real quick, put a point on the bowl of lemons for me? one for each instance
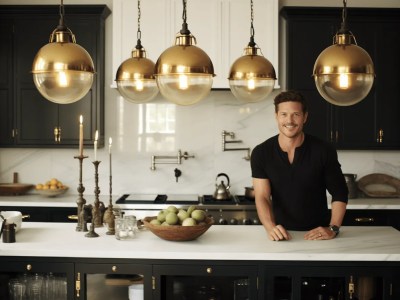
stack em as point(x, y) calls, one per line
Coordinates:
point(51, 188)
point(173, 224)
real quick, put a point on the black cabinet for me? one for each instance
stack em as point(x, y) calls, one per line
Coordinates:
point(369, 124)
point(372, 217)
point(29, 119)
point(44, 214)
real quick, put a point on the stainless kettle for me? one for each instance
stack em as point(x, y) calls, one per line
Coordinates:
point(222, 190)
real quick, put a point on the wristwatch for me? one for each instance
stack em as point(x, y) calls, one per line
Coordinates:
point(334, 228)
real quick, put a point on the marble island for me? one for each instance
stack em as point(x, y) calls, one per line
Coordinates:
point(250, 243)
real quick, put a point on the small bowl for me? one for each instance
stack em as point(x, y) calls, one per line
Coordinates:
point(12, 217)
point(178, 232)
point(52, 193)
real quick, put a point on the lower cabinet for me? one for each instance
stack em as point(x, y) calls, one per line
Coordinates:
point(33, 278)
point(205, 281)
point(372, 217)
point(109, 278)
point(44, 214)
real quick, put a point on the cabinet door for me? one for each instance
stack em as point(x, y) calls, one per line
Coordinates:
point(104, 281)
point(39, 277)
point(188, 281)
point(6, 82)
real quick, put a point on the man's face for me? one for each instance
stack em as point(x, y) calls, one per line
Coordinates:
point(290, 118)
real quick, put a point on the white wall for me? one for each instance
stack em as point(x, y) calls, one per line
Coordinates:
point(197, 130)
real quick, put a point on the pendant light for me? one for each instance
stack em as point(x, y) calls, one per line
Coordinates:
point(62, 70)
point(184, 72)
point(344, 72)
point(135, 76)
point(252, 76)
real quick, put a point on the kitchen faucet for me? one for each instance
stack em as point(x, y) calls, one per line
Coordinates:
point(232, 136)
point(169, 159)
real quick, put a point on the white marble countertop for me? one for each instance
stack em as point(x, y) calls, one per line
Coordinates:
point(69, 200)
point(218, 243)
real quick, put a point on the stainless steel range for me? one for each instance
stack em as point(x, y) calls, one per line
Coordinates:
point(237, 210)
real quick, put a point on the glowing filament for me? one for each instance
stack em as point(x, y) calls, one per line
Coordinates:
point(251, 84)
point(183, 82)
point(343, 81)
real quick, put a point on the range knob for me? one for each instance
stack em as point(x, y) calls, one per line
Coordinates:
point(246, 221)
point(222, 221)
point(256, 221)
point(233, 221)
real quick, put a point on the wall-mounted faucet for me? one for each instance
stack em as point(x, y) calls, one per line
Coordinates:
point(155, 159)
point(232, 136)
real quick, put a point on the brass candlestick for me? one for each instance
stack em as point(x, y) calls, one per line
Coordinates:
point(96, 214)
point(81, 201)
point(109, 216)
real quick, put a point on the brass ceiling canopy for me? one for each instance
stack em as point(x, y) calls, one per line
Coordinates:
point(135, 76)
point(63, 70)
point(184, 72)
point(344, 72)
point(252, 76)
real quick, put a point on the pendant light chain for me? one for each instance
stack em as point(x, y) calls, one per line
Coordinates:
point(252, 31)
point(139, 32)
point(343, 27)
point(184, 30)
point(62, 13)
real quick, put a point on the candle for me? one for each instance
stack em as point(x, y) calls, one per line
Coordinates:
point(96, 137)
point(109, 151)
point(81, 135)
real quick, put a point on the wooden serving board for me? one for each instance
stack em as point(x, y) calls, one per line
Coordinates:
point(378, 185)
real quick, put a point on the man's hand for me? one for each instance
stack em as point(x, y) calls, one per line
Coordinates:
point(278, 233)
point(320, 233)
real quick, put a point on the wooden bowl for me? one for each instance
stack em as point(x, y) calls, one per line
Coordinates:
point(14, 188)
point(52, 193)
point(178, 232)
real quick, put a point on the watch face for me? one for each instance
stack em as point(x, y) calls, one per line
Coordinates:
point(334, 228)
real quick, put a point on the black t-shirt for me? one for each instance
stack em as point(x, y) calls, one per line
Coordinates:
point(298, 190)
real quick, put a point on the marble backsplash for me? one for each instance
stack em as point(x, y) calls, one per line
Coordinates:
point(161, 128)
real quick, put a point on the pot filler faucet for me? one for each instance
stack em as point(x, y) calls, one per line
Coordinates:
point(166, 159)
point(232, 136)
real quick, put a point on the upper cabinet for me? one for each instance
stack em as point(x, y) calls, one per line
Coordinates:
point(369, 124)
point(28, 119)
point(221, 28)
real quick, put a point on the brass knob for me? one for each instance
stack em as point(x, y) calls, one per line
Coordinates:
point(29, 267)
point(209, 270)
point(73, 217)
point(114, 268)
point(364, 220)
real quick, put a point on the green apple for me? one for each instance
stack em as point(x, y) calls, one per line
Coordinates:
point(161, 216)
point(182, 215)
point(189, 222)
point(199, 215)
point(172, 208)
point(191, 209)
point(155, 222)
point(171, 218)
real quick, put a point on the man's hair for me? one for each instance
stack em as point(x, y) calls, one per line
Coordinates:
point(291, 96)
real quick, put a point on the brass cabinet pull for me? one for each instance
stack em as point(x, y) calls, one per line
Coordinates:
point(364, 220)
point(57, 134)
point(28, 267)
point(114, 268)
point(209, 270)
point(14, 133)
point(73, 217)
point(153, 282)
point(25, 217)
point(379, 140)
point(351, 287)
point(78, 284)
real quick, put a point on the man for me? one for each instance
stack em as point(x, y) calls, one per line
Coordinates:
point(291, 173)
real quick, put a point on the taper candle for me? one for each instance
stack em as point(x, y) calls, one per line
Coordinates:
point(96, 137)
point(109, 151)
point(81, 135)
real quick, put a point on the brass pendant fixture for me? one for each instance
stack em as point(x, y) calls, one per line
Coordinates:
point(252, 76)
point(135, 76)
point(184, 72)
point(344, 72)
point(62, 70)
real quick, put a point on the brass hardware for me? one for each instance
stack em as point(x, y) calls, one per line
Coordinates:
point(351, 288)
point(153, 282)
point(24, 217)
point(29, 267)
point(364, 220)
point(209, 270)
point(14, 133)
point(379, 140)
point(72, 217)
point(232, 135)
point(114, 268)
point(78, 284)
point(57, 134)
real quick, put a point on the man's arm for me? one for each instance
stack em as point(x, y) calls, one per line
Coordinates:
point(338, 209)
point(262, 192)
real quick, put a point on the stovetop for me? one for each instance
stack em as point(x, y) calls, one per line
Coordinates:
point(183, 199)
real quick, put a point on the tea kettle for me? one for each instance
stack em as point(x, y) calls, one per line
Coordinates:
point(222, 190)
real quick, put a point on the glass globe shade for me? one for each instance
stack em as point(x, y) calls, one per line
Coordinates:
point(252, 76)
point(344, 73)
point(135, 78)
point(184, 72)
point(63, 71)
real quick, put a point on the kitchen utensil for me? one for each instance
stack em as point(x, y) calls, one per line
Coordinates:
point(12, 217)
point(222, 190)
point(178, 232)
point(249, 192)
point(351, 185)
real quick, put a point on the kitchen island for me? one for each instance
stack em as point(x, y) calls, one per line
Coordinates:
point(223, 251)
